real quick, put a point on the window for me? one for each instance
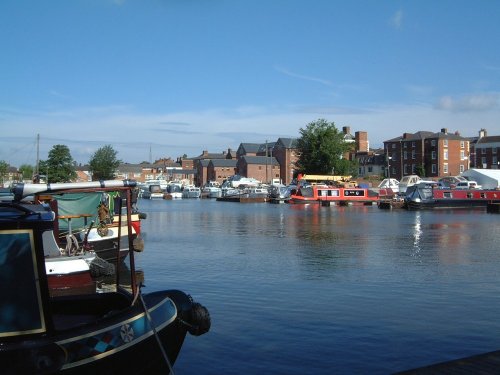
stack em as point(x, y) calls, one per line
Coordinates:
point(405, 155)
point(445, 168)
point(445, 154)
point(370, 169)
point(462, 155)
point(445, 142)
point(413, 144)
point(462, 168)
point(413, 154)
point(434, 168)
point(483, 162)
point(433, 142)
point(405, 144)
point(393, 145)
point(406, 169)
point(462, 144)
point(413, 169)
point(494, 150)
point(483, 150)
point(393, 156)
point(433, 155)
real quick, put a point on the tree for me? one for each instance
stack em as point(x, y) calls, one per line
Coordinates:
point(59, 166)
point(321, 147)
point(4, 170)
point(104, 163)
point(26, 171)
point(420, 170)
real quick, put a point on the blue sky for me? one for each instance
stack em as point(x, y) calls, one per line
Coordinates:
point(182, 76)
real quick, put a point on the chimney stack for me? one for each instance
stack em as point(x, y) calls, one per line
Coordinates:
point(362, 144)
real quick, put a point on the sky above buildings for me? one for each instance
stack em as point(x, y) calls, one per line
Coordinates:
point(163, 78)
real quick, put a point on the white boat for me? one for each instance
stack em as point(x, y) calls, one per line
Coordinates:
point(212, 189)
point(153, 191)
point(257, 192)
point(390, 183)
point(191, 191)
point(173, 191)
point(408, 181)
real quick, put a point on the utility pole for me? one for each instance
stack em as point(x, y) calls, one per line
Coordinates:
point(267, 179)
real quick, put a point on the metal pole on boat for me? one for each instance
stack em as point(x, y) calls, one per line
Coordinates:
point(119, 243)
point(128, 203)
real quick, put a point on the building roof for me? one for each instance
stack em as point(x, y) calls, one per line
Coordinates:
point(372, 159)
point(246, 148)
point(212, 155)
point(490, 139)
point(205, 162)
point(287, 142)
point(261, 160)
point(219, 163)
point(452, 136)
point(262, 147)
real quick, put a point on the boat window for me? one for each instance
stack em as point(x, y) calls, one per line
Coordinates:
point(334, 193)
point(469, 195)
point(20, 306)
point(307, 191)
point(426, 193)
point(483, 195)
point(447, 194)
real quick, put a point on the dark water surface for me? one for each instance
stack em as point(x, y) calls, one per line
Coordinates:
point(326, 290)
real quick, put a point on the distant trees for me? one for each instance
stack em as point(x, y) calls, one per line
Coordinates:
point(4, 170)
point(60, 166)
point(321, 147)
point(26, 171)
point(103, 163)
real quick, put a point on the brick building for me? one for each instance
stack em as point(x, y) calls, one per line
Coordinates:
point(261, 168)
point(436, 154)
point(285, 152)
point(485, 151)
point(220, 169)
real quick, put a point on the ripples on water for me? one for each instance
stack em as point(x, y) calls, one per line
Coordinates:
point(314, 290)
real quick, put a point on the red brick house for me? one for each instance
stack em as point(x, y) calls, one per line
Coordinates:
point(439, 154)
point(220, 169)
point(261, 168)
point(485, 151)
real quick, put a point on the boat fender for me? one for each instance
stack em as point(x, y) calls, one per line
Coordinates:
point(200, 320)
point(138, 244)
point(99, 267)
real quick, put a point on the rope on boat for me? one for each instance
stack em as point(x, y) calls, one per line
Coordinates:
point(150, 321)
point(72, 247)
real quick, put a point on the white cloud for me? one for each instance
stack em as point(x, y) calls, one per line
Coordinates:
point(132, 134)
point(397, 19)
point(303, 77)
point(477, 102)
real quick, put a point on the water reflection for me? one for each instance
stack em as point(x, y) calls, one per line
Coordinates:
point(417, 234)
point(345, 282)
